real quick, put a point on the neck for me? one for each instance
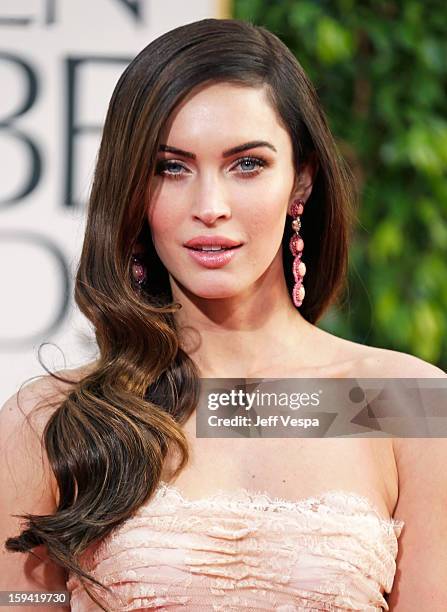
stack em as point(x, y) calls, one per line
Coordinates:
point(246, 333)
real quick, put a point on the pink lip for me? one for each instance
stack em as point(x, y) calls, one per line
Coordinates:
point(213, 259)
point(199, 241)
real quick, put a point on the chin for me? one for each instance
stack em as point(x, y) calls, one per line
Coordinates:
point(214, 294)
point(212, 291)
point(211, 288)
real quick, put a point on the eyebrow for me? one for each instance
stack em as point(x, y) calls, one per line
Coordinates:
point(242, 147)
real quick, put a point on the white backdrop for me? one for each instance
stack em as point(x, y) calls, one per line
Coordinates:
point(59, 62)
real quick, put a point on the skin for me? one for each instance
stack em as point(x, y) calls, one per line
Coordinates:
point(246, 302)
point(248, 327)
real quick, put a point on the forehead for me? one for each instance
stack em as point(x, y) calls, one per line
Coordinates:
point(224, 111)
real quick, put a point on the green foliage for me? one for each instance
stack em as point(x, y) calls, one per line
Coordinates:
point(380, 70)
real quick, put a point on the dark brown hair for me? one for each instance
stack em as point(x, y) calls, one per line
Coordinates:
point(106, 442)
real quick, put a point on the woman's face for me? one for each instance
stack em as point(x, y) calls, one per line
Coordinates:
point(206, 189)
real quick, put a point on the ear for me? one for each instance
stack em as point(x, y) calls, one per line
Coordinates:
point(304, 180)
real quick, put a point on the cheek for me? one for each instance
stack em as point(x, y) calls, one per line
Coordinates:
point(161, 222)
point(265, 230)
point(267, 210)
point(267, 221)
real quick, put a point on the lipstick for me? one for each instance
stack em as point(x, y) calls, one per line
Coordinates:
point(212, 251)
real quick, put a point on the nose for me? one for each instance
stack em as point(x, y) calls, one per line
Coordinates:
point(210, 204)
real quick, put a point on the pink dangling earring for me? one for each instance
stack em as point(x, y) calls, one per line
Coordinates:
point(138, 271)
point(296, 247)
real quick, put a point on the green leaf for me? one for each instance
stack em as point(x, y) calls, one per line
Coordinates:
point(386, 242)
point(427, 331)
point(334, 43)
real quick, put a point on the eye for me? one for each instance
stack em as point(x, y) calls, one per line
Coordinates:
point(248, 162)
point(251, 166)
point(166, 168)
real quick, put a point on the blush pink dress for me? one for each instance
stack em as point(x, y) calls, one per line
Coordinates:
point(245, 551)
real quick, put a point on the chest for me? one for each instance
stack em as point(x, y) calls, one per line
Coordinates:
point(292, 468)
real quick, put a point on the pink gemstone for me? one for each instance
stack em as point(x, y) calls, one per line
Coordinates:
point(298, 268)
point(296, 244)
point(292, 244)
point(296, 263)
point(297, 208)
point(298, 294)
point(138, 272)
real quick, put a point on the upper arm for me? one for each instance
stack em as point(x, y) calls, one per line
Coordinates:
point(421, 577)
point(27, 485)
point(421, 574)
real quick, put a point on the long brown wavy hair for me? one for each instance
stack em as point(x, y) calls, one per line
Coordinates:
point(107, 441)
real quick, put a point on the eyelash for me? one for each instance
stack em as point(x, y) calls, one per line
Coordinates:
point(164, 165)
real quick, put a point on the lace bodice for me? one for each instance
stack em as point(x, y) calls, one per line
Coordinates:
point(245, 551)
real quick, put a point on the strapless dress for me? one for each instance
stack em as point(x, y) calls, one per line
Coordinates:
point(243, 550)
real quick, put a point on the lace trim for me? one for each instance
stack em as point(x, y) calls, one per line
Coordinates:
point(261, 500)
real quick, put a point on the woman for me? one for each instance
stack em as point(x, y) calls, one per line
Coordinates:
point(215, 138)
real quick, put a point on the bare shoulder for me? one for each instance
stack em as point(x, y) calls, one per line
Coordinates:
point(24, 415)
point(343, 358)
point(44, 393)
point(375, 362)
point(393, 364)
point(422, 496)
point(23, 418)
point(386, 363)
point(27, 481)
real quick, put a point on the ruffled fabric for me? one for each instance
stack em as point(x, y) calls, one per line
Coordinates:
point(245, 551)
